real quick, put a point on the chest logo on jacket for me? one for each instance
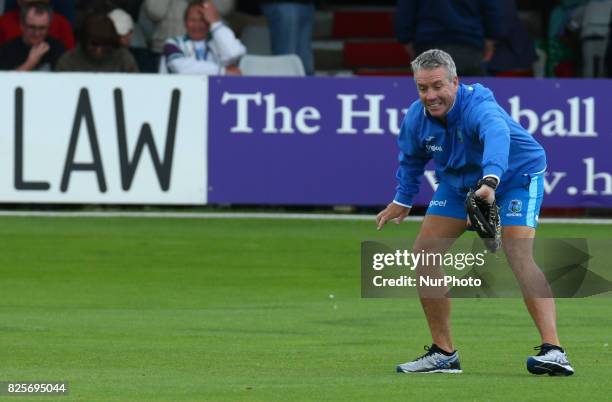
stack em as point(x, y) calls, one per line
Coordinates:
point(432, 147)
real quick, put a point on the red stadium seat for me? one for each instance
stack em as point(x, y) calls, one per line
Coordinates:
point(566, 69)
point(363, 24)
point(384, 72)
point(515, 73)
point(375, 54)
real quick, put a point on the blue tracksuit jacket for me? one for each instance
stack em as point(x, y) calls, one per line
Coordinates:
point(479, 139)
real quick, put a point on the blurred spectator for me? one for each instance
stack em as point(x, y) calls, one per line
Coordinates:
point(167, 17)
point(124, 25)
point(594, 36)
point(291, 25)
point(466, 29)
point(148, 61)
point(60, 29)
point(132, 38)
point(132, 7)
point(209, 47)
point(64, 7)
point(563, 38)
point(98, 50)
point(85, 8)
point(33, 50)
point(142, 30)
point(515, 52)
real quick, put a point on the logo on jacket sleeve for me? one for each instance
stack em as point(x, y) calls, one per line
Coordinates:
point(514, 208)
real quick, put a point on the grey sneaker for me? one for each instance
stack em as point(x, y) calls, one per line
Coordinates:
point(432, 362)
point(551, 360)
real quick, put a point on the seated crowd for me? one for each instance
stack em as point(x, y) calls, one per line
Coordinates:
point(33, 37)
point(193, 37)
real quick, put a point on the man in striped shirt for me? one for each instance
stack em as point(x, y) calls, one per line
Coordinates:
point(209, 47)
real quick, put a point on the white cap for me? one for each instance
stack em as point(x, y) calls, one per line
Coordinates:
point(122, 21)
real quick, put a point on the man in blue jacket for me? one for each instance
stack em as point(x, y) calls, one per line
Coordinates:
point(475, 144)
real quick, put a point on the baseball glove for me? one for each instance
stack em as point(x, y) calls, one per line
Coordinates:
point(484, 218)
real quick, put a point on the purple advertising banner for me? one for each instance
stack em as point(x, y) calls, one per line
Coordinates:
point(332, 141)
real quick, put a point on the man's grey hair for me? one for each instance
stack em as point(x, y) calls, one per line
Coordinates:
point(432, 59)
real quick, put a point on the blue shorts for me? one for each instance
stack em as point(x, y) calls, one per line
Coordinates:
point(518, 206)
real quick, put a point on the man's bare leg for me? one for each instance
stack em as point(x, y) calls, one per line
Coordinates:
point(438, 310)
point(536, 292)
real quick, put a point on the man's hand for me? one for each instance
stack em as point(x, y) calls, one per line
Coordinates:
point(210, 13)
point(394, 212)
point(489, 50)
point(37, 52)
point(486, 193)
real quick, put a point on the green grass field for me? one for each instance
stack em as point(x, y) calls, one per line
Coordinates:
point(131, 309)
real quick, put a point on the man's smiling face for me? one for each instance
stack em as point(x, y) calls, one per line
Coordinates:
point(436, 90)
